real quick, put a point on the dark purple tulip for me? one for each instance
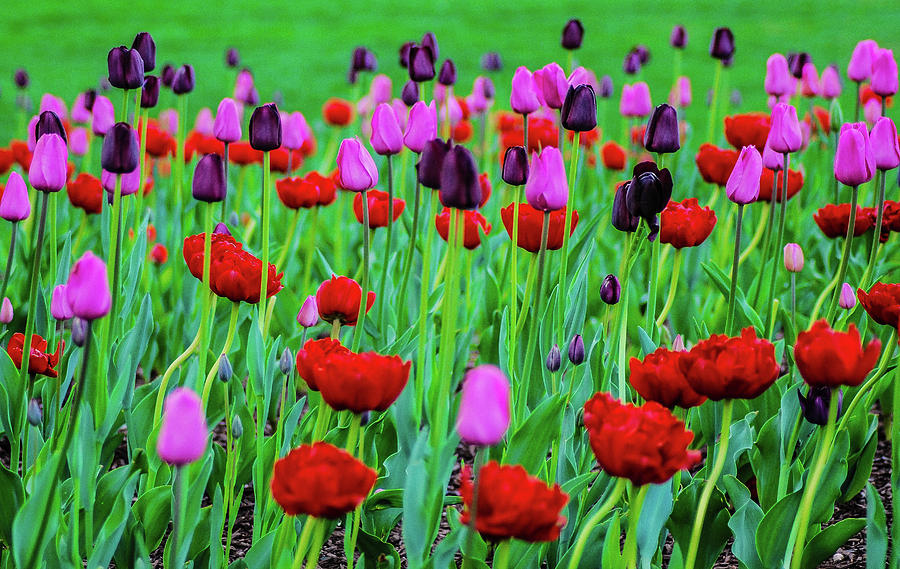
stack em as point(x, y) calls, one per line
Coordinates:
point(648, 193)
point(410, 93)
point(815, 405)
point(796, 61)
point(104, 84)
point(120, 149)
point(491, 61)
point(622, 219)
point(421, 64)
point(447, 76)
point(265, 128)
point(49, 123)
point(515, 166)
point(662, 135)
point(221, 229)
point(150, 93)
point(632, 63)
point(487, 89)
point(79, 331)
point(679, 37)
point(736, 99)
point(579, 110)
point(183, 83)
point(358, 60)
point(642, 52)
point(610, 290)
point(576, 350)
point(430, 41)
point(352, 76)
point(125, 67)
point(89, 97)
point(460, 187)
point(167, 75)
point(21, 78)
point(232, 57)
point(431, 160)
point(554, 359)
point(144, 44)
point(721, 46)
point(209, 179)
point(404, 53)
point(728, 61)
point(572, 34)
point(606, 87)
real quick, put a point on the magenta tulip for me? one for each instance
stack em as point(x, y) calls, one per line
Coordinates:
point(584, 76)
point(104, 116)
point(793, 258)
point(860, 67)
point(421, 126)
point(294, 131)
point(680, 96)
point(884, 73)
point(477, 101)
point(484, 406)
point(204, 122)
point(49, 165)
point(381, 88)
point(59, 303)
point(80, 113)
point(15, 205)
point(809, 80)
point(771, 159)
point(553, 85)
point(872, 111)
point(53, 103)
point(743, 183)
point(130, 182)
point(78, 141)
point(309, 312)
point(779, 80)
point(848, 297)
point(355, 166)
point(854, 161)
point(635, 100)
point(883, 140)
point(387, 138)
point(785, 135)
point(6, 311)
point(547, 188)
point(183, 434)
point(227, 126)
point(524, 98)
point(831, 82)
point(88, 288)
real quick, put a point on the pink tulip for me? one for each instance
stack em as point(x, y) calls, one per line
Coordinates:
point(848, 297)
point(831, 82)
point(854, 161)
point(553, 85)
point(387, 138)
point(883, 140)
point(6, 311)
point(204, 122)
point(79, 112)
point(524, 98)
point(771, 159)
point(88, 288)
point(680, 96)
point(785, 135)
point(779, 80)
point(809, 81)
point(104, 115)
point(860, 67)
point(183, 434)
point(365, 105)
point(400, 112)
point(793, 258)
point(381, 87)
point(309, 312)
point(244, 90)
point(743, 183)
point(421, 126)
point(484, 407)
point(168, 120)
point(355, 166)
point(78, 141)
point(884, 73)
point(584, 76)
point(53, 103)
point(49, 165)
point(477, 102)
point(872, 111)
point(456, 113)
point(59, 303)
point(227, 126)
point(31, 141)
point(294, 131)
point(130, 184)
point(547, 188)
point(635, 101)
point(15, 205)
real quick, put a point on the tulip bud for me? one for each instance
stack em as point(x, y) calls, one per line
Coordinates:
point(410, 93)
point(404, 53)
point(884, 73)
point(21, 78)
point(515, 166)
point(150, 92)
point(610, 290)
point(816, 403)
point(547, 188)
point(635, 100)
point(121, 152)
point(429, 41)
point(793, 258)
point(860, 67)
point(308, 316)
point(796, 62)
point(79, 332)
point(233, 219)
point(104, 116)
point(491, 61)
point(572, 34)
point(742, 186)
point(722, 45)
point(286, 361)
point(785, 135)
point(854, 160)
point(227, 126)
point(579, 111)
point(831, 82)
point(835, 116)
point(88, 288)
point(632, 63)
point(225, 370)
point(649, 193)
point(554, 359)
point(34, 415)
point(209, 179)
point(847, 300)
point(447, 75)
point(606, 87)
point(460, 187)
point(679, 37)
point(523, 98)
point(14, 204)
point(146, 47)
point(59, 304)
point(576, 350)
point(661, 135)
point(183, 81)
point(431, 161)
point(387, 138)
point(48, 123)
point(126, 68)
point(167, 75)
point(49, 167)
point(421, 126)
point(265, 128)
point(552, 84)
point(778, 76)
point(183, 434)
point(484, 406)
point(883, 140)
point(232, 57)
point(356, 168)
point(622, 219)
point(237, 427)
point(6, 311)
point(421, 64)
point(678, 344)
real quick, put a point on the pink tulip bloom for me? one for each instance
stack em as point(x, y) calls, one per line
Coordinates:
point(484, 406)
point(168, 120)
point(477, 102)
point(884, 73)
point(680, 96)
point(79, 112)
point(227, 126)
point(183, 434)
point(771, 159)
point(15, 205)
point(553, 85)
point(381, 88)
point(860, 67)
point(387, 138)
point(88, 288)
point(78, 141)
point(400, 112)
point(779, 80)
point(524, 98)
point(854, 161)
point(635, 100)
point(456, 113)
point(6, 311)
point(294, 131)
point(421, 126)
point(309, 312)
point(831, 82)
point(809, 81)
point(59, 303)
point(883, 140)
point(547, 188)
point(355, 166)
point(104, 115)
point(848, 297)
point(743, 183)
point(130, 182)
point(204, 122)
point(49, 164)
point(785, 135)
point(584, 76)
point(53, 103)
point(872, 111)
point(793, 258)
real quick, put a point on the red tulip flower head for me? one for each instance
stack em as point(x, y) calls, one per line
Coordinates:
point(378, 208)
point(659, 378)
point(234, 273)
point(361, 382)
point(686, 224)
point(830, 358)
point(715, 164)
point(531, 223)
point(720, 367)
point(40, 362)
point(338, 299)
point(882, 303)
point(312, 356)
point(474, 225)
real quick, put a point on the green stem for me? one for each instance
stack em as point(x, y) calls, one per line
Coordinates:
point(586, 528)
point(895, 461)
point(139, 210)
point(264, 277)
point(390, 228)
point(206, 297)
point(623, 313)
point(845, 255)
point(363, 304)
point(407, 261)
point(873, 253)
point(526, 299)
point(501, 558)
point(354, 517)
point(424, 308)
point(229, 338)
point(259, 485)
point(729, 323)
point(562, 294)
point(305, 536)
point(14, 229)
point(115, 260)
point(289, 240)
point(787, 458)
point(480, 457)
point(179, 151)
point(712, 105)
point(310, 248)
point(533, 335)
point(178, 490)
point(634, 514)
point(779, 241)
point(670, 298)
point(514, 292)
point(312, 560)
point(32, 292)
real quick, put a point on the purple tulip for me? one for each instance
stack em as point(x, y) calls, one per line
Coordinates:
point(421, 126)
point(59, 303)
point(49, 164)
point(884, 73)
point(387, 138)
point(524, 98)
point(121, 151)
point(209, 179)
point(6, 311)
point(146, 47)
point(883, 140)
point(785, 135)
point(309, 312)
point(232, 57)
point(265, 128)
point(104, 116)
point(421, 63)
point(515, 166)
point(183, 82)
point(244, 89)
point(678, 39)
point(447, 74)
point(227, 126)
point(484, 407)
point(860, 67)
point(831, 82)
point(15, 205)
point(410, 93)
point(778, 76)
point(661, 135)
point(88, 288)
point(848, 297)
point(20, 78)
point(183, 434)
point(547, 188)
point(743, 183)
point(126, 68)
point(572, 34)
point(129, 183)
point(854, 161)
point(553, 85)
point(355, 166)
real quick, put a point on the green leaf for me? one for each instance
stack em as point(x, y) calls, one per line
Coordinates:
point(744, 524)
point(39, 513)
point(775, 529)
point(876, 530)
point(107, 539)
point(833, 476)
point(376, 552)
point(154, 510)
point(612, 557)
point(827, 541)
point(528, 445)
point(12, 494)
point(862, 468)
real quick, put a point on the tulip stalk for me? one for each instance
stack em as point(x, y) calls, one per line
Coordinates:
point(9, 259)
point(390, 228)
point(564, 267)
point(514, 296)
point(355, 437)
point(779, 240)
point(289, 240)
point(32, 294)
point(533, 336)
point(310, 247)
point(895, 464)
point(480, 457)
point(424, 307)
point(264, 278)
point(710, 485)
point(179, 150)
point(670, 298)
point(305, 537)
point(207, 298)
point(138, 211)
point(712, 104)
point(732, 293)
point(361, 318)
point(407, 260)
point(177, 515)
point(115, 256)
point(225, 164)
point(595, 518)
point(876, 241)
point(229, 339)
point(634, 514)
point(845, 255)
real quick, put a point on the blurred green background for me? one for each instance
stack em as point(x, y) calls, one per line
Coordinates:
point(303, 49)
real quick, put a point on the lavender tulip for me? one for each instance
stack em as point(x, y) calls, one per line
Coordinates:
point(387, 138)
point(356, 168)
point(884, 73)
point(227, 126)
point(88, 288)
point(883, 140)
point(49, 164)
point(785, 135)
point(309, 313)
point(778, 76)
point(421, 126)
point(854, 161)
point(523, 98)
point(15, 205)
point(59, 303)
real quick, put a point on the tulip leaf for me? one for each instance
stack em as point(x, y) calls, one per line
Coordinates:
point(715, 530)
point(656, 510)
point(744, 524)
point(612, 556)
point(827, 541)
point(153, 511)
point(766, 463)
point(528, 446)
point(833, 477)
point(107, 539)
point(12, 495)
point(876, 530)
point(862, 469)
point(375, 551)
point(775, 529)
point(647, 344)
point(40, 511)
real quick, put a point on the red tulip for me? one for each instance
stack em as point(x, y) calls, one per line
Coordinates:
point(159, 254)
point(830, 358)
point(378, 208)
point(731, 368)
point(659, 378)
point(715, 164)
point(234, 273)
point(882, 302)
point(85, 192)
point(337, 112)
point(311, 357)
point(475, 225)
point(686, 224)
point(613, 156)
point(361, 382)
point(311, 190)
point(795, 183)
point(833, 220)
point(531, 222)
point(749, 129)
point(338, 299)
point(39, 360)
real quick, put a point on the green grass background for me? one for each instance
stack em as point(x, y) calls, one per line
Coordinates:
point(303, 48)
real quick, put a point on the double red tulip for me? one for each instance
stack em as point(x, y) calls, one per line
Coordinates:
point(338, 299)
point(361, 382)
point(659, 378)
point(311, 357)
point(882, 302)
point(310, 191)
point(795, 183)
point(234, 273)
point(685, 223)
point(39, 360)
point(833, 220)
point(646, 444)
point(715, 164)
point(749, 129)
point(531, 223)
point(337, 112)
point(475, 224)
point(85, 192)
point(378, 208)
point(830, 358)
point(731, 368)
point(512, 504)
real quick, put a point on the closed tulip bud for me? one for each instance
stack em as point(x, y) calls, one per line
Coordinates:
point(576, 350)
point(778, 76)
point(872, 111)
point(265, 128)
point(491, 61)
point(460, 187)
point(572, 34)
point(447, 75)
point(810, 81)
point(237, 427)
point(121, 152)
point(721, 46)
point(847, 299)
point(431, 161)
point(387, 138)
point(145, 46)
point(553, 85)
point(232, 57)
point(421, 64)
point(209, 179)
point(225, 370)
point(410, 93)
point(632, 63)
point(860, 67)
point(21, 78)
point(831, 82)
point(610, 290)
point(622, 219)
point(883, 140)
point(356, 168)
point(35, 415)
point(286, 361)
point(88, 99)
point(104, 116)
point(150, 92)
point(49, 164)
point(796, 61)
point(678, 344)
point(227, 126)
point(835, 116)
point(79, 332)
point(816, 403)
point(14, 204)
point(854, 160)
point(484, 406)
point(771, 159)
point(523, 98)
point(884, 73)
point(579, 110)
point(48, 123)
point(742, 186)
point(309, 312)
point(222, 229)
point(183, 82)
point(793, 258)
point(421, 126)
point(167, 75)
point(6, 311)
point(785, 135)
point(515, 166)
point(547, 188)
point(429, 41)
point(59, 304)
point(126, 68)
point(404, 53)
point(88, 288)
point(679, 37)
point(661, 135)
point(554, 359)
point(244, 89)
point(183, 433)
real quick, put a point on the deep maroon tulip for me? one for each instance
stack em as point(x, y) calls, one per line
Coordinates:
point(491, 61)
point(460, 187)
point(120, 152)
point(404, 53)
point(410, 93)
point(265, 128)
point(183, 82)
point(447, 75)
point(209, 179)
point(722, 45)
point(797, 62)
point(144, 44)
point(515, 166)
point(88, 99)
point(421, 64)
point(610, 289)
point(21, 78)
point(150, 92)
point(679, 37)
point(622, 219)
point(49, 123)
point(167, 75)
point(430, 41)
point(632, 63)
point(232, 58)
point(572, 34)
point(429, 166)
point(126, 68)
point(649, 191)
point(661, 135)
point(576, 350)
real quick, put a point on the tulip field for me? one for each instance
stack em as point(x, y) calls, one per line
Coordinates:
point(538, 306)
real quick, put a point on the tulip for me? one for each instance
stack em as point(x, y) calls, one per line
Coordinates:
point(523, 98)
point(227, 126)
point(778, 77)
point(785, 136)
point(491, 61)
point(121, 152)
point(167, 75)
point(680, 95)
point(14, 204)
point(810, 80)
point(515, 166)
point(831, 82)
point(460, 187)
point(265, 128)
point(146, 47)
point(380, 89)
point(679, 37)
point(484, 406)
point(884, 73)
point(34, 414)
point(387, 138)
point(203, 124)
point(721, 46)
point(743, 183)
point(854, 160)
point(796, 61)
point(48, 123)
point(553, 85)
point(104, 116)
point(49, 164)
point(129, 183)
point(860, 67)
point(6, 311)
point(606, 87)
point(554, 359)
point(308, 315)
point(431, 161)
point(579, 111)
point(572, 34)
point(21, 78)
point(547, 188)
point(635, 101)
point(883, 140)
point(410, 93)
point(771, 159)
point(209, 179)
point(848, 297)
point(150, 92)
point(244, 89)
point(661, 135)
point(183, 434)
point(793, 258)
point(88, 288)
point(632, 63)
point(622, 219)
point(610, 290)
point(648, 193)
point(356, 168)
point(816, 403)
point(59, 303)
point(421, 126)
point(126, 68)
point(80, 111)
point(447, 74)
point(421, 64)
point(294, 130)
point(576, 350)
point(183, 82)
